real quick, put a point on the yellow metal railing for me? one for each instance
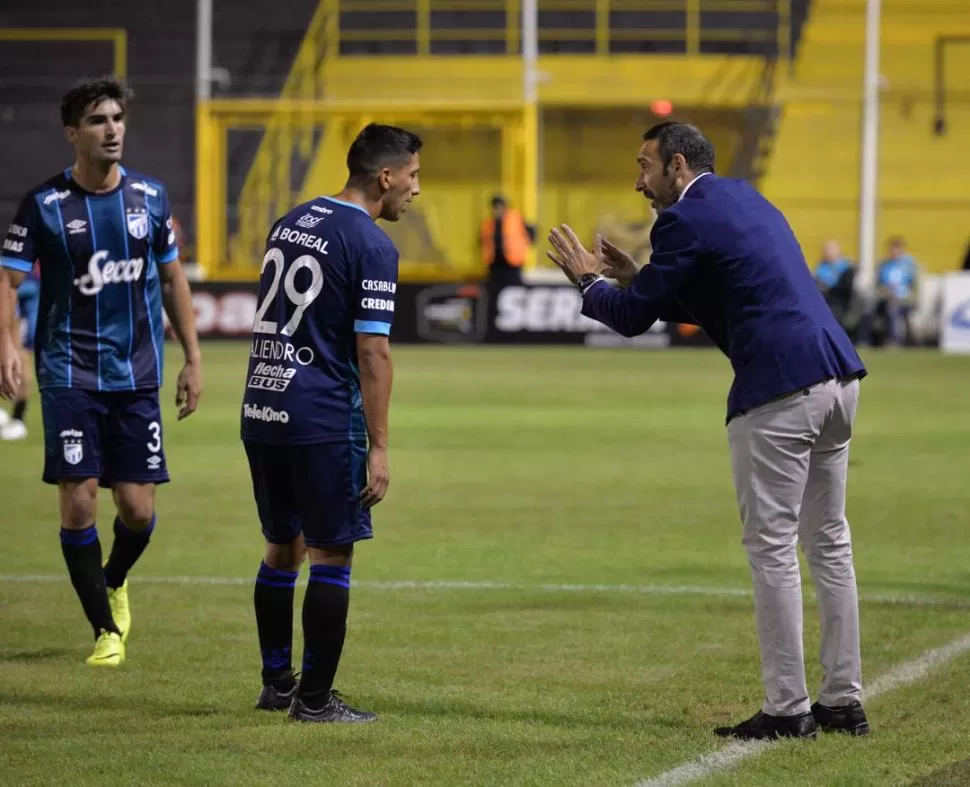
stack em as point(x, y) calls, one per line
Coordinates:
point(268, 191)
point(292, 129)
point(218, 116)
point(603, 28)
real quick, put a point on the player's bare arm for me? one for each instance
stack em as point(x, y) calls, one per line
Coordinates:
point(177, 297)
point(11, 364)
point(376, 377)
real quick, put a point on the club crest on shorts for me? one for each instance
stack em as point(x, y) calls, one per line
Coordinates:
point(138, 222)
point(73, 452)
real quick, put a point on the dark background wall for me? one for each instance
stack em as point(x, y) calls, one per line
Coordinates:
point(252, 41)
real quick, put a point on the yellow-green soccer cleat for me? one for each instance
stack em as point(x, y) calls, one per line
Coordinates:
point(109, 651)
point(120, 611)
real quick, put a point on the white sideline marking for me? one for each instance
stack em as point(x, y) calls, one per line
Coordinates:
point(445, 584)
point(906, 673)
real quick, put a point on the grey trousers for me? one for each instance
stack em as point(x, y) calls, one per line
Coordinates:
point(790, 459)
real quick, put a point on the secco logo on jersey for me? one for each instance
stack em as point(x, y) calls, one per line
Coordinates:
point(266, 414)
point(271, 377)
point(113, 272)
point(16, 229)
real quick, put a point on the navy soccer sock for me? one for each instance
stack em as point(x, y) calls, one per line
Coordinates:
point(82, 553)
point(324, 627)
point(125, 551)
point(273, 600)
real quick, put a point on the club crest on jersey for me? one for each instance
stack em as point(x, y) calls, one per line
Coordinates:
point(138, 222)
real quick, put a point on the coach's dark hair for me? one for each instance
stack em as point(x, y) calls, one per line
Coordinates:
point(83, 94)
point(379, 146)
point(683, 138)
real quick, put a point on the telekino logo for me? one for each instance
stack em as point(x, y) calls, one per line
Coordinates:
point(266, 414)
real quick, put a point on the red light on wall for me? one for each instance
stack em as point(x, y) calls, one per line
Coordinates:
point(661, 107)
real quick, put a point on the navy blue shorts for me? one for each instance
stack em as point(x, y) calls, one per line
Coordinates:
point(310, 489)
point(109, 435)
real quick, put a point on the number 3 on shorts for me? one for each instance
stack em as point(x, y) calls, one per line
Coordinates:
point(156, 443)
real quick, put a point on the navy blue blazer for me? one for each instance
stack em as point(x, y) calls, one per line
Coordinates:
point(724, 258)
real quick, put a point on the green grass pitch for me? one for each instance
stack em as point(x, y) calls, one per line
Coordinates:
point(578, 613)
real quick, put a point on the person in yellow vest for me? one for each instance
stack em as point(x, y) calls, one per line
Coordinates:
point(505, 239)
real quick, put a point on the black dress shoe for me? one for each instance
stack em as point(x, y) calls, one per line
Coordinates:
point(850, 719)
point(761, 726)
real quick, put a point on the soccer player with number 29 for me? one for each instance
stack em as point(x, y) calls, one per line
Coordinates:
point(314, 413)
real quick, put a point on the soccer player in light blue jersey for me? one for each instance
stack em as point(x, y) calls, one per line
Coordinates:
point(106, 248)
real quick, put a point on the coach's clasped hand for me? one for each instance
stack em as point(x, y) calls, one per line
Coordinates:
point(576, 261)
point(616, 263)
point(570, 255)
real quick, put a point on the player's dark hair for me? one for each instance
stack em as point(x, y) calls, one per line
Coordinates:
point(673, 138)
point(92, 91)
point(379, 146)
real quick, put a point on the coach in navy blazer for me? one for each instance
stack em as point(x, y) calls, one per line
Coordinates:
point(725, 258)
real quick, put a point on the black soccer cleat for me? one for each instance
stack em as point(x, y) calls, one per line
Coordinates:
point(334, 711)
point(272, 698)
point(849, 719)
point(761, 726)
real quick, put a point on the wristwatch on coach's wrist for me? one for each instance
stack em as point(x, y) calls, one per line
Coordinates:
point(586, 281)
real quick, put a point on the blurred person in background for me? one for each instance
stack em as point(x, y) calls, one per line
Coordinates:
point(835, 277)
point(505, 238)
point(897, 288)
point(12, 426)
